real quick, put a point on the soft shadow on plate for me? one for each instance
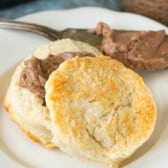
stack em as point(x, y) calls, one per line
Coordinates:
point(150, 79)
point(4, 81)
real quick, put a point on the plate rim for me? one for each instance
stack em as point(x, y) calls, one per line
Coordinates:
point(87, 8)
point(127, 14)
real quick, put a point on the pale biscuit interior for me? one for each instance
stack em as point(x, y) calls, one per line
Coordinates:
point(24, 107)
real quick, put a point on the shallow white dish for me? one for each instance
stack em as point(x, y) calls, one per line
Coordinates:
point(16, 150)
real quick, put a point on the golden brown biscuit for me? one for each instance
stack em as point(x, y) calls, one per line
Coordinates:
point(100, 110)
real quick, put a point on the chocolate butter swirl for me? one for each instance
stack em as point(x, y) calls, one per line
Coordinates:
point(36, 71)
point(136, 49)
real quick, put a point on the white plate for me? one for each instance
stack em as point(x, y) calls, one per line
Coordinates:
point(16, 150)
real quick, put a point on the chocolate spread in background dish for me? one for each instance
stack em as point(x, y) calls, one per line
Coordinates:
point(37, 71)
point(156, 9)
point(136, 49)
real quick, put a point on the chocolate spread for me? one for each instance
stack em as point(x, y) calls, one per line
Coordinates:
point(36, 71)
point(136, 49)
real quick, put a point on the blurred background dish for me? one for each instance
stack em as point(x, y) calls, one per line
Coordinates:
point(155, 9)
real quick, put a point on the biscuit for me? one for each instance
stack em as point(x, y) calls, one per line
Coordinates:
point(26, 109)
point(100, 110)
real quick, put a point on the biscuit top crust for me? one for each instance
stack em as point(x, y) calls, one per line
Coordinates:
point(99, 106)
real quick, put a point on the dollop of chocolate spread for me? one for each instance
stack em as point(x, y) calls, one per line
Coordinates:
point(36, 71)
point(136, 49)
